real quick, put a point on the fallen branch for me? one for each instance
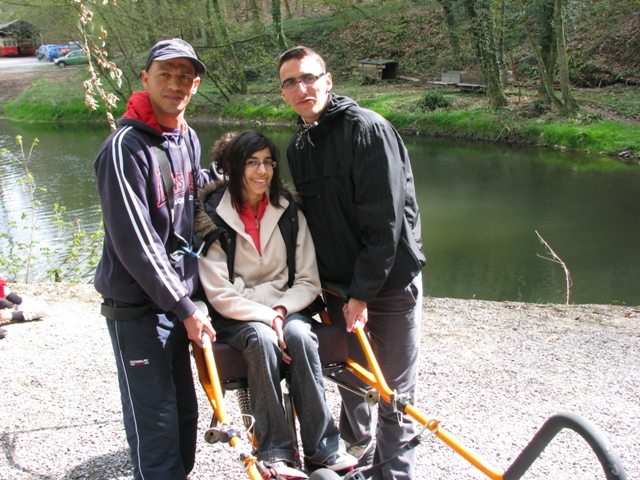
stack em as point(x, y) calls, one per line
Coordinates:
point(555, 258)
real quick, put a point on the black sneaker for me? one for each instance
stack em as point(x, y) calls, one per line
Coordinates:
point(340, 460)
point(3, 332)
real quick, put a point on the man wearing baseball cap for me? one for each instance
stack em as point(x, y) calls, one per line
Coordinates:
point(148, 172)
point(175, 48)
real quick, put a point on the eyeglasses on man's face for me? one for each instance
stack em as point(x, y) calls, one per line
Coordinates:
point(306, 80)
point(255, 164)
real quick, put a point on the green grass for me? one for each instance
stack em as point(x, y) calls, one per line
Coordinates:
point(467, 117)
point(603, 137)
point(49, 101)
point(263, 107)
point(618, 99)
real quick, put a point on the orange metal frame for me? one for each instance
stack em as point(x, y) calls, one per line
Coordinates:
point(373, 377)
point(375, 380)
point(208, 375)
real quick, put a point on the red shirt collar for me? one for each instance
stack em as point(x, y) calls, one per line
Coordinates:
point(252, 222)
point(139, 108)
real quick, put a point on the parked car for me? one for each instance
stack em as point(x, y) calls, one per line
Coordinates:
point(55, 51)
point(76, 57)
point(43, 50)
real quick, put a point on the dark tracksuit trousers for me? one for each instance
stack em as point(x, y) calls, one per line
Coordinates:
point(159, 402)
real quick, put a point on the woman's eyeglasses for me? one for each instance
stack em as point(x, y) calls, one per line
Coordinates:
point(306, 80)
point(255, 165)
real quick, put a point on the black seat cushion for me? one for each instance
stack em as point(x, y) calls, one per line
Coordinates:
point(332, 349)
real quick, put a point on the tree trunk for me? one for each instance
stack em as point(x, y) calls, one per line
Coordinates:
point(500, 26)
point(547, 40)
point(570, 103)
point(276, 16)
point(447, 8)
point(485, 43)
point(287, 8)
point(212, 41)
point(546, 79)
point(255, 11)
point(235, 77)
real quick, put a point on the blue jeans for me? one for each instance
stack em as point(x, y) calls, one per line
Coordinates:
point(259, 344)
point(393, 329)
point(159, 403)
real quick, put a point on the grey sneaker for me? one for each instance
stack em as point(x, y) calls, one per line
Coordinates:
point(21, 316)
point(363, 453)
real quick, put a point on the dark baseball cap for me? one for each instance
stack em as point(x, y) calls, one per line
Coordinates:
point(174, 48)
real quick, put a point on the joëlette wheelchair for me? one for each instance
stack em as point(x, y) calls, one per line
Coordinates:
point(222, 368)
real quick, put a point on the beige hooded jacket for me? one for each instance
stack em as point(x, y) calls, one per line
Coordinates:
point(260, 281)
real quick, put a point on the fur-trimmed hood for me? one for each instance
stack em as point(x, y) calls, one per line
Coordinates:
point(202, 222)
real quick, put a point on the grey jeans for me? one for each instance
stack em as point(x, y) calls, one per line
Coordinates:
point(259, 344)
point(393, 329)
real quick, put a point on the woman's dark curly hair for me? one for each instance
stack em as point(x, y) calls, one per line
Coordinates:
point(233, 156)
point(217, 150)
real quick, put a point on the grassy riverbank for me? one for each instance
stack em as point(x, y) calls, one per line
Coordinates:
point(608, 122)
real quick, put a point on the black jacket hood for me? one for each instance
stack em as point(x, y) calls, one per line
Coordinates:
point(337, 105)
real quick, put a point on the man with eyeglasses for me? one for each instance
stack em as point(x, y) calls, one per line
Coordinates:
point(354, 176)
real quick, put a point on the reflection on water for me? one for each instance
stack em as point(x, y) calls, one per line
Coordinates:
point(58, 164)
point(481, 205)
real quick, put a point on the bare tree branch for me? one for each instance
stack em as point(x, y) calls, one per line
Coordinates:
point(555, 258)
point(93, 47)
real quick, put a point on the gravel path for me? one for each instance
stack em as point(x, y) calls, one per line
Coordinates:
point(492, 372)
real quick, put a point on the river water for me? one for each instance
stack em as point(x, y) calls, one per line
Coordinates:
point(481, 206)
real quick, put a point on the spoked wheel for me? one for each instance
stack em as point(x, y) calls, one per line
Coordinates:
point(244, 401)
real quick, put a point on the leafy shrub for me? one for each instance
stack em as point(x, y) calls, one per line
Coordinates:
point(432, 100)
point(589, 118)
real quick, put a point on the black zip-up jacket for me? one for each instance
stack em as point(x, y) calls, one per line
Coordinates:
point(354, 176)
point(135, 267)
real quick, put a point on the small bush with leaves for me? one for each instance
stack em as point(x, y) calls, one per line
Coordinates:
point(432, 100)
point(588, 118)
point(368, 80)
